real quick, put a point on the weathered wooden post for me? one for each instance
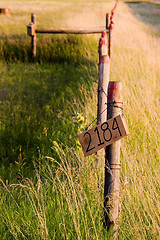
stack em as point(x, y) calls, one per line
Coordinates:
point(31, 31)
point(107, 20)
point(5, 11)
point(110, 30)
point(108, 134)
point(104, 72)
point(112, 159)
point(33, 37)
point(110, 39)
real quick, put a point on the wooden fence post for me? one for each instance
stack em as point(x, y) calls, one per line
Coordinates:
point(5, 11)
point(107, 20)
point(104, 72)
point(33, 37)
point(110, 29)
point(112, 160)
point(110, 40)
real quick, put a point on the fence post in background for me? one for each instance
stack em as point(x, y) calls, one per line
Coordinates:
point(104, 72)
point(5, 11)
point(110, 39)
point(107, 20)
point(110, 29)
point(33, 37)
point(112, 160)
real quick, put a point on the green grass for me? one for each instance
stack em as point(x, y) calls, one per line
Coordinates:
point(38, 100)
point(136, 58)
point(59, 206)
point(48, 190)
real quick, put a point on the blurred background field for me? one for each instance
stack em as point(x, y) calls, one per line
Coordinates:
point(48, 189)
point(147, 12)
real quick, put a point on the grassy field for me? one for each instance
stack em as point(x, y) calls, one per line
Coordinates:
point(48, 189)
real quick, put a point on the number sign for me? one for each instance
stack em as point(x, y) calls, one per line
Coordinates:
point(103, 135)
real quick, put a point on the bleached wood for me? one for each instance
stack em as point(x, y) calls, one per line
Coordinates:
point(33, 37)
point(104, 75)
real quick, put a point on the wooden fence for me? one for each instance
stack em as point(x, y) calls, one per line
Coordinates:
point(32, 31)
point(110, 100)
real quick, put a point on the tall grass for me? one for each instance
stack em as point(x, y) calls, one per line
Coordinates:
point(37, 99)
point(63, 197)
point(60, 205)
point(136, 64)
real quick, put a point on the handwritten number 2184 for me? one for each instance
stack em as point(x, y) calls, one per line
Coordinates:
point(105, 128)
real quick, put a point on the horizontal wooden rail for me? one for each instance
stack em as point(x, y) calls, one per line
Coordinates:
point(32, 31)
point(71, 31)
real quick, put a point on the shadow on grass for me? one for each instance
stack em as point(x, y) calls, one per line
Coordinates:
point(71, 49)
point(39, 100)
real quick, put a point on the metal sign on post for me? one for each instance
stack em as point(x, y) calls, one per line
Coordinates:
point(103, 135)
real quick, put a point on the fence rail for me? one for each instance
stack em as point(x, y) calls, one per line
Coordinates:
point(32, 31)
point(70, 31)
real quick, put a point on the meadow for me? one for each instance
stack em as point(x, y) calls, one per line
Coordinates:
point(48, 190)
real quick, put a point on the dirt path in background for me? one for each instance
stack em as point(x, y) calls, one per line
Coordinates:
point(147, 13)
